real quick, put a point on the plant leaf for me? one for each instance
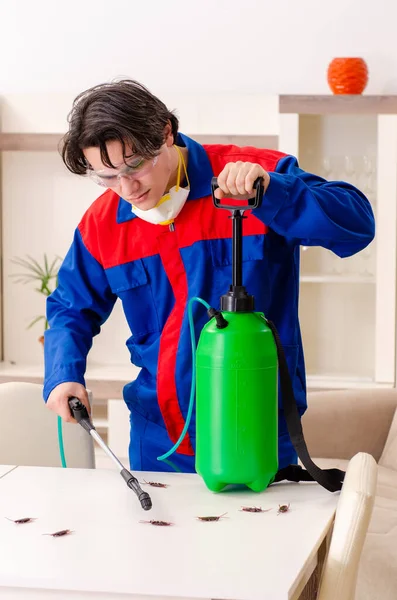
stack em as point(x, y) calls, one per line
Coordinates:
point(36, 273)
point(52, 269)
point(36, 320)
point(27, 265)
point(34, 262)
point(46, 264)
point(24, 278)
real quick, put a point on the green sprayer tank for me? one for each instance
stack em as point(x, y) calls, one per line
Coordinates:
point(236, 383)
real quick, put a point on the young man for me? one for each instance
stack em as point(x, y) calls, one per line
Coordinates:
point(154, 239)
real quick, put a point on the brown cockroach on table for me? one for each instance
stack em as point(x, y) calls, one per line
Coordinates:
point(24, 520)
point(254, 509)
point(59, 533)
point(211, 518)
point(156, 484)
point(283, 508)
point(158, 523)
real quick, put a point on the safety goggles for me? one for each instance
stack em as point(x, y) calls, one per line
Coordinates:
point(134, 169)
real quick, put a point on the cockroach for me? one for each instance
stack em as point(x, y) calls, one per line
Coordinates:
point(254, 509)
point(283, 508)
point(211, 518)
point(156, 484)
point(157, 523)
point(24, 520)
point(59, 533)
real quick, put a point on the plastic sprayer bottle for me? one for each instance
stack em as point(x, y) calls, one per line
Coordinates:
point(236, 383)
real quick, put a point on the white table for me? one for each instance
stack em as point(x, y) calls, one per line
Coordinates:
point(247, 556)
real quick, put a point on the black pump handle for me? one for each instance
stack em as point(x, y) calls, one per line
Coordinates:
point(253, 202)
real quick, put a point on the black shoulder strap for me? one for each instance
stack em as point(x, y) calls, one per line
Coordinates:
point(330, 479)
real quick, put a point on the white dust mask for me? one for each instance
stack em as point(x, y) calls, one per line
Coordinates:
point(171, 204)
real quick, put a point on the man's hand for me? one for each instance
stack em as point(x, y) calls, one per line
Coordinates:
point(237, 179)
point(59, 397)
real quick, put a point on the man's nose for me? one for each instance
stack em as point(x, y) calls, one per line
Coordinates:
point(128, 186)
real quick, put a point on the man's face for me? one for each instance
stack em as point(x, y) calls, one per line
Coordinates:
point(142, 183)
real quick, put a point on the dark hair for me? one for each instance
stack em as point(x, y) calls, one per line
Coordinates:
point(122, 110)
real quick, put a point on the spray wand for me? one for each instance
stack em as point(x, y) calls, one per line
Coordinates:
point(80, 413)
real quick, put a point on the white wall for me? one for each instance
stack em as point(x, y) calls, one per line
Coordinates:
point(194, 46)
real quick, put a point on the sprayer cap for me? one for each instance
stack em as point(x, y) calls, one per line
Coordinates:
point(237, 300)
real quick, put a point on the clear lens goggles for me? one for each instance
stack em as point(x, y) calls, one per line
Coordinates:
point(133, 170)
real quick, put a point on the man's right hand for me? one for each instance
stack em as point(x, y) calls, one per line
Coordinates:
point(58, 400)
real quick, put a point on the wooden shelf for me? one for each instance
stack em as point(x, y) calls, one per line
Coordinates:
point(49, 142)
point(258, 141)
point(30, 142)
point(343, 382)
point(101, 423)
point(337, 279)
point(339, 104)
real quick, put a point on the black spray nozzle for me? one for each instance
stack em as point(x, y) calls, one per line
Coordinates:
point(133, 484)
point(80, 413)
point(221, 322)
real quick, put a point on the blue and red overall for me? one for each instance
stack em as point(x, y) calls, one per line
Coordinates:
point(155, 271)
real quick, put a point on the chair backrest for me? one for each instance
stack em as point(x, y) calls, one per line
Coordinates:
point(353, 514)
point(29, 431)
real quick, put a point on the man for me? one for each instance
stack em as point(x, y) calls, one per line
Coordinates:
point(154, 239)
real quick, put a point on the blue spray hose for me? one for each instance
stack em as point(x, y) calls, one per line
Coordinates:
point(193, 384)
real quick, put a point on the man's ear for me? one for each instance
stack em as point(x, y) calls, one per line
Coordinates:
point(168, 136)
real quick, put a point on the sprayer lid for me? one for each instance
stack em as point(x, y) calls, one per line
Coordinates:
point(237, 300)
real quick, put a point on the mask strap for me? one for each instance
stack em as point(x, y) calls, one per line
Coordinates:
point(181, 160)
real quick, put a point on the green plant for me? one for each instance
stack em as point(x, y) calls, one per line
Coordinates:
point(43, 274)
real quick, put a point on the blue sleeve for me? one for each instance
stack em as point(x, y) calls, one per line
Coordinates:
point(77, 308)
point(311, 211)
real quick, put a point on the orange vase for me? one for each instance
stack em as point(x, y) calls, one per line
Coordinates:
point(347, 75)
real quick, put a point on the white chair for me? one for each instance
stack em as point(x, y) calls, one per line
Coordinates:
point(29, 431)
point(353, 514)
